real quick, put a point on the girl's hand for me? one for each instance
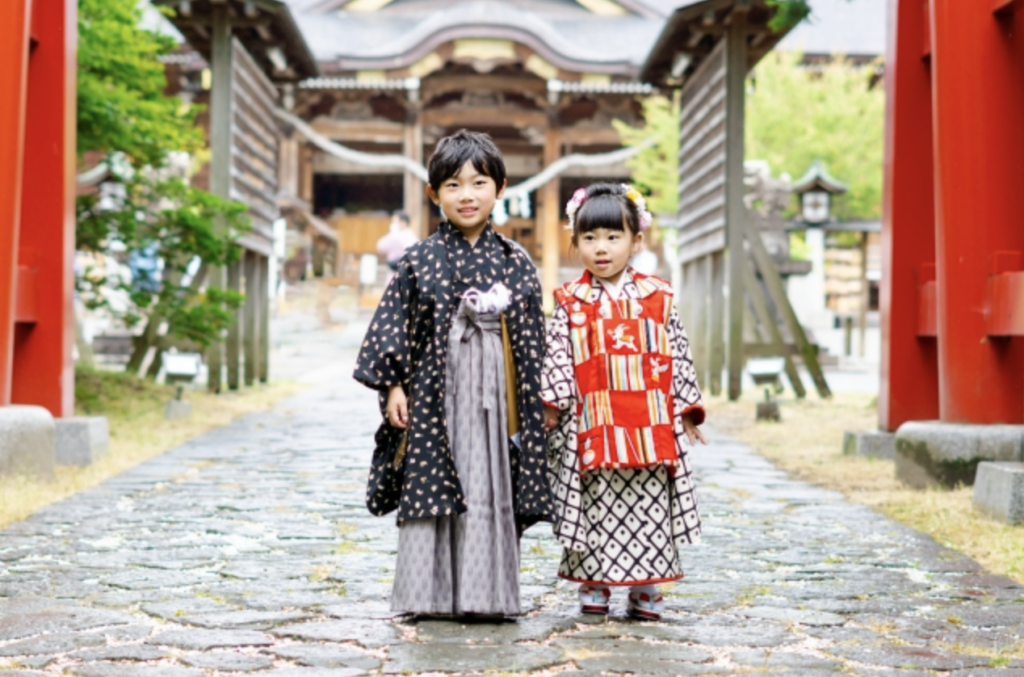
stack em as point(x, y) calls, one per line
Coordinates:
point(398, 407)
point(693, 433)
point(550, 418)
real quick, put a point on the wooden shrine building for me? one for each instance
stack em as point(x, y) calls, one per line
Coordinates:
point(706, 50)
point(544, 77)
point(252, 47)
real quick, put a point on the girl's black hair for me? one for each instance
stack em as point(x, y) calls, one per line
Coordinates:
point(454, 151)
point(606, 207)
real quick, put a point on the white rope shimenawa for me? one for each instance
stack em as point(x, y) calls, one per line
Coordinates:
point(419, 171)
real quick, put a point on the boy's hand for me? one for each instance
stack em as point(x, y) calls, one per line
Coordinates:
point(550, 418)
point(693, 433)
point(398, 407)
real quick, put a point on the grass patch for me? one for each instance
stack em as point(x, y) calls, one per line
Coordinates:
point(134, 408)
point(808, 445)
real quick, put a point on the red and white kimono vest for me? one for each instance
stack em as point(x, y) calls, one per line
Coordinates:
point(623, 364)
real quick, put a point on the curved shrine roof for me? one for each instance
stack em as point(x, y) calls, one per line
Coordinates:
point(399, 33)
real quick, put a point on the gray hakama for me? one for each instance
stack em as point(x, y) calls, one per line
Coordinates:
point(468, 563)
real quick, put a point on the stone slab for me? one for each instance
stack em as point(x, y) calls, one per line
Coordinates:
point(81, 440)
point(125, 652)
point(33, 617)
point(416, 658)
point(202, 640)
point(801, 616)
point(999, 490)
point(933, 453)
point(27, 441)
point(870, 444)
point(907, 657)
point(133, 670)
point(370, 634)
point(314, 672)
point(226, 661)
point(61, 642)
point(177, 410)
point(624, 655)
point(327, 656)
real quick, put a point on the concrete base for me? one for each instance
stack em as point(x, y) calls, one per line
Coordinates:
point(26, 441)
point(870, 443)
point(999, 491)
point(932, 453)
point(82, 440)
point(177, 409)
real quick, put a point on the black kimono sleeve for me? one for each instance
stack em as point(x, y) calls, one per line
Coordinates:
point(385, 354)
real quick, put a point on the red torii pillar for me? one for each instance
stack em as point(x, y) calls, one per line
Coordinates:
point(38, 45)
point(953, 223)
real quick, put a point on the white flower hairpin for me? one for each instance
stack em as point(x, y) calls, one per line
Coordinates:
point(632, 194)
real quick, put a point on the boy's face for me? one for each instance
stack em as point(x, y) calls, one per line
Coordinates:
point(467, 198)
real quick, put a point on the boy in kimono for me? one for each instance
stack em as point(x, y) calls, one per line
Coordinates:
point(461, 452)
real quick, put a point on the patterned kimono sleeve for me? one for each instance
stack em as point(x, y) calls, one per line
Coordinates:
point(384, 356)
point(557, 379)
point(685, 389)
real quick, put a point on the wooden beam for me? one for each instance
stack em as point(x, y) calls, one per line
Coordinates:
point(221, 124)
point(443, 84)
point(493, 115)
point(412, 187)
point(550, 219)
point(252, 317)
point(777, 292)
point(716, 333)
point(735, 210)
point(263, 351)
point(699, 332)
point(233, 349)
point(776, 347)
point(1007, 6)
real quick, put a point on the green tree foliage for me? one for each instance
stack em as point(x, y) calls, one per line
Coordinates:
point(654, 167)
point(121, 101)
point(796, 114)
point(788, 13)
point(124, 114)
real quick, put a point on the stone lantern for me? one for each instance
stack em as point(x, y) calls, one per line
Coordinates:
point(807, 293)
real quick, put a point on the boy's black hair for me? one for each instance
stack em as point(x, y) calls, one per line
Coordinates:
point(606, 207)
point(402, 216)
point(454, 151)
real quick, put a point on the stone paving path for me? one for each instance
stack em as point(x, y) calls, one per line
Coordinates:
point(249, 550)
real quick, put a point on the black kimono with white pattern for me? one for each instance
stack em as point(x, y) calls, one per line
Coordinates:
point(407, 344)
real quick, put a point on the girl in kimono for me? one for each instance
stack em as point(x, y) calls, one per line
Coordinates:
point(461, 452)
point(621, 396)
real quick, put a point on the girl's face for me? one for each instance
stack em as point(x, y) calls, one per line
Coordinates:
point(606, 253)
point(467, 199)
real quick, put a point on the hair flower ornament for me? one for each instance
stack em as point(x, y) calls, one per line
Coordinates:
point(573, 206)
point(637, 198)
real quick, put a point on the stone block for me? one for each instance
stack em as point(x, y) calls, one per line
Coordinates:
point(768, 411)
point(933, 453)
point(999, 491)
point(870, 444)
point(81, 440)
point(177, 409)
point(26, 441)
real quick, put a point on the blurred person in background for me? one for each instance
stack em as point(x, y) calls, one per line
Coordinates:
point(399, 238)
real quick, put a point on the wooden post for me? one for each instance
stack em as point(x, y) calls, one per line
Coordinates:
point(716, 310)
point(735, 210)
point(263, 351)
point(238, 319)
point(14, 46)
point(550, 221)
point(221, 114)
point(252, 316)
point(865, 296)
point(768, 321)
point(777, 292)
point(699, 337)
point(412, 148)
